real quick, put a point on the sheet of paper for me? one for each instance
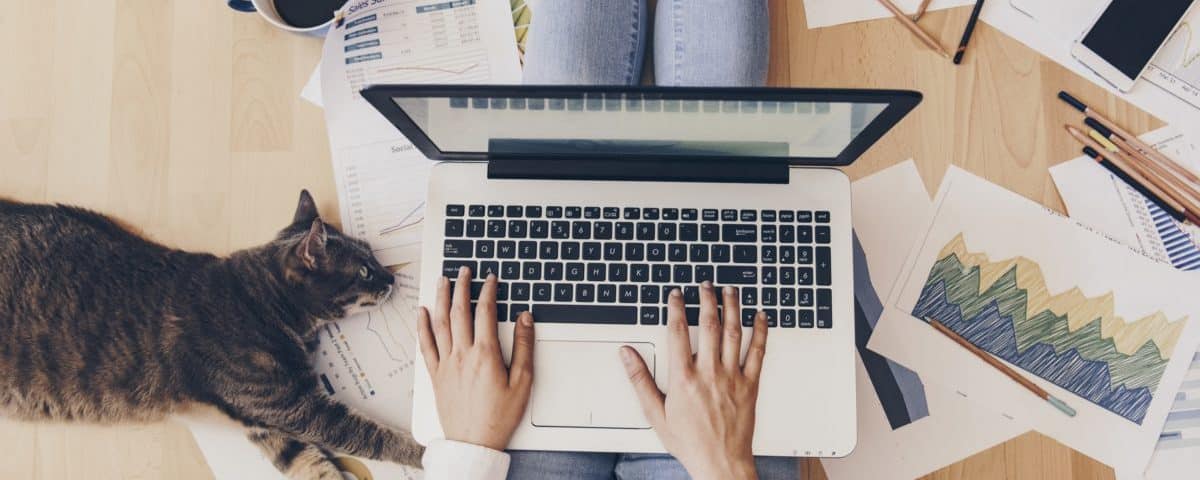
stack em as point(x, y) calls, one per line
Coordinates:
point(1096, 323)
point(1101, 200)
point(365, 362)
point(825, 13)
point(905, 428)
point(312, 88)
point(381, 179)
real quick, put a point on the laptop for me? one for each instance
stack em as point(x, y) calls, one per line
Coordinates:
point(591, 203)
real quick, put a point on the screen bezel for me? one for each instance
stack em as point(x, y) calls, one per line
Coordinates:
point(899, 104)
point(1104, 68)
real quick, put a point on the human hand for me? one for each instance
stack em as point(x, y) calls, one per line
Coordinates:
point(707, 421)
point(479, 401)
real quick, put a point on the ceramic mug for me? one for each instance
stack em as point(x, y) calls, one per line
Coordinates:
point(266, 9)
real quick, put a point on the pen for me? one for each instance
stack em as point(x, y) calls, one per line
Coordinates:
point(1176, 214)
point(966, 38)
point(1119, 162)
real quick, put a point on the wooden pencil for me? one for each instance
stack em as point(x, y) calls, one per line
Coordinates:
point(1155, 167)
point(914, 28)
point(1005, 369)
point(1107, 165)
point(921, 10)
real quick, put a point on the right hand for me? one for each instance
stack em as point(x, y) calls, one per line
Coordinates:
point(707, 421)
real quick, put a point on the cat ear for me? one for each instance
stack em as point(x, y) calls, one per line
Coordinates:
point(312, 247)
point(306, 209)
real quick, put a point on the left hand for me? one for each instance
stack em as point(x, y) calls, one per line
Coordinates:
point(479, 401)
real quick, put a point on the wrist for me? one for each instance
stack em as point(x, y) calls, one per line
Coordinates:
point(725, 468)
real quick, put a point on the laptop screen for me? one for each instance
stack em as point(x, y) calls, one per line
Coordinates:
point(639, 122)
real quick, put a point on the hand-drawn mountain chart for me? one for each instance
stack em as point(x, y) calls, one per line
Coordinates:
point(1071, 340)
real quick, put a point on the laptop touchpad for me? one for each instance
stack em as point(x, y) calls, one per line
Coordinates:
point(583, 384)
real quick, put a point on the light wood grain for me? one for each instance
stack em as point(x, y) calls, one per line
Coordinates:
point(183, 118)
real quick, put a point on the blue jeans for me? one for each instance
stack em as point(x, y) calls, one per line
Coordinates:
point(719, 43)
point(602, 42)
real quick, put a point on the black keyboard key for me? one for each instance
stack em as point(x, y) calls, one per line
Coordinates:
point(721, 254)
point(633, 213)
point(677, 252)
point(455, 210)
point(691, 295)
point(749, 296)
point(787, 297)
point(592, 251)
point(476, 210)
point(450, 267)
point(770, 254)
point(531, 271)
point(660, 273)
point(514, 211)
point(824, 308)
point(635, 252)
point(501, 312)
point(710, 215)
point(552, 271)
point(748, 315)
point(710, 232)
point(768, 215)
point(735, 233)
point(689, 214)
point(745, 254)
point(562, 292)
point(737, 275)
point(591, 212)
point(649, 294)
point(748, 216)
point(804, 297)
point(650, 213)
point(495, 211)
point(770, 297)
point(560, 229)
point(485, 249)
point(689, 232)
point(822, 217)
point(476, 228)
point(624, 231)
point(488, 268)
point(506, 249)
point(518, 228)
point(645, 231)
point(823, 235)
point(683, 274)
point(729, 215)
point(612, 251)
point(515, 310)
point(704, 273)
point(476, 288)
point(787, 318)
point(698, 253)
point(628, 294)
point(670, 214)
point(770, 276)
point(772, 317)
point(594, 314)
point(693, 316)
point(533, 212)
point(606, 293)
point(457, 249)
point(804, 255)
point(602, 231)
point(787, 255)
point(805, 216)
point(804, 276)
point(554, 212)
point(804, 233)
point(520, 292)
point(527, 250)
point(495, 229)
point(581, 230)
point(787, 234)
point(569, 251)
point(510, 270)
point(824, 269)
point(539, 229)
point(573, 212)
point(787, 216)
point(656, 252)
point(805, 319)
point(639, 272)
point(611, 213)
point(769, 234)
point(666, 232)
point(575, 271)
point(597, 272)
point(787, 276)
point(649, 316)
point(618, 272)
point(454, 228)
point(585, 293)
point(548, 250)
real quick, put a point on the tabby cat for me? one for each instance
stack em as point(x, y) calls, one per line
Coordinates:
point(100, 325)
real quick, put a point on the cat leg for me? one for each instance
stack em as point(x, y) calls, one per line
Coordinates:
point(297, 460)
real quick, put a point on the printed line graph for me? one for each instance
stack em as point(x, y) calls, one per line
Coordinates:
point(1176, 68)
point(394, 323)
point(452, 71)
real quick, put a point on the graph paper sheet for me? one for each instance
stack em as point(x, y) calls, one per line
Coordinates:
point(381, 178)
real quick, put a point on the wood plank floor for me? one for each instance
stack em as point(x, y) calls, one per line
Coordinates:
point(183, 118)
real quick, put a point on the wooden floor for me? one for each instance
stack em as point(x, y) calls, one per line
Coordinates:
point(183, 118)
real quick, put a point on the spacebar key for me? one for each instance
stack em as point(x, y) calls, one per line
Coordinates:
point(603, 314)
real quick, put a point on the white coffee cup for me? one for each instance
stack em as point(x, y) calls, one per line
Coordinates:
point(266, 9)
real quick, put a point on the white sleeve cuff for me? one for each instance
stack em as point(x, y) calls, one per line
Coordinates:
point(451, 460)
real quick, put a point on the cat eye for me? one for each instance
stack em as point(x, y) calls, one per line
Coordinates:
point(365, 273)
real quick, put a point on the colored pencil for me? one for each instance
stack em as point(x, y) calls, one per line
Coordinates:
point(1118, 160)
point(1103, 161)
point(1005, 369)
point(912, 27)
point(966, 38)
point(921, 10)
point(1154, 167)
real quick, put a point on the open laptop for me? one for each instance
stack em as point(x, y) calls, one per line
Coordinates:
point(591, 203)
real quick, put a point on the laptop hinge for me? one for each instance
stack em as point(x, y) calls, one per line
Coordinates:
point(657, 170)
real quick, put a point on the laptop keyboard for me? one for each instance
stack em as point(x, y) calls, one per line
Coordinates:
point(609, 265)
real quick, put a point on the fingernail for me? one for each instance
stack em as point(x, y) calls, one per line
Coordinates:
point(728, 290)
point(464, 270)
point(707, 285)
point(676, 292)
point(627, 356)
point(527, 319)
point(491, 277)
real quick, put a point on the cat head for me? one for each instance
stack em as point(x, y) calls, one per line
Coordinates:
point(334, 270)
